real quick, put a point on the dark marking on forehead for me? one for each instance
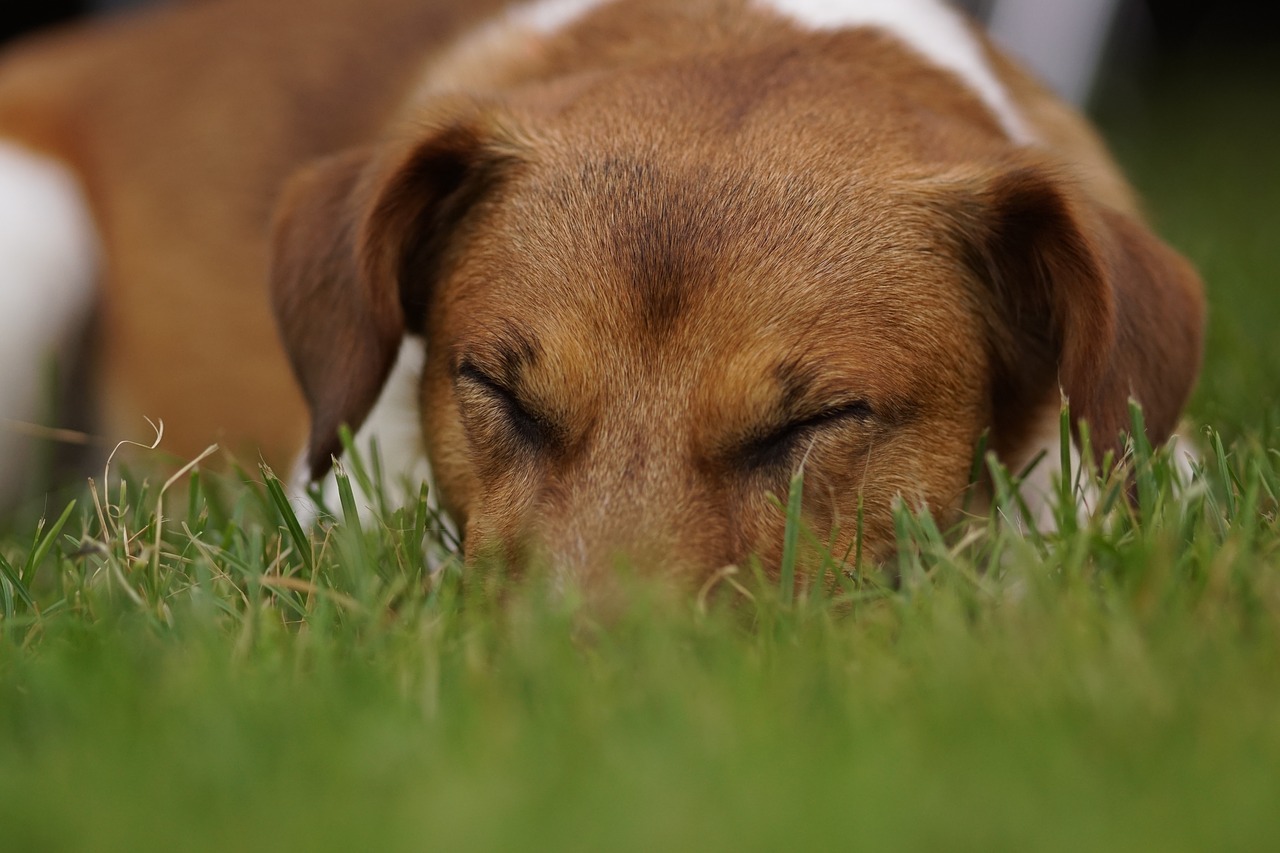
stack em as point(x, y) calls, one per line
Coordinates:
point(665, 232)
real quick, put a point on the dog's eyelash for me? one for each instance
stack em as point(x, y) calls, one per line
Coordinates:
point(528, 425)
point(777, 447)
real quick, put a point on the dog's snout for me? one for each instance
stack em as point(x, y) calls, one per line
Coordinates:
point(644, 508)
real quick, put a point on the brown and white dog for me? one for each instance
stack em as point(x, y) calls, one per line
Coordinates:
point(614, 267)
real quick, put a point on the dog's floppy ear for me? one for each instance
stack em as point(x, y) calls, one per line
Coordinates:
point(1083, 296)
point(356, 243)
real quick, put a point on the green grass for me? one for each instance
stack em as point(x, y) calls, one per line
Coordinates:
point(1199, 144)
point(224, 681)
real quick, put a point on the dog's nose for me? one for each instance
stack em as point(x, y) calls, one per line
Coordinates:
point(650, 516)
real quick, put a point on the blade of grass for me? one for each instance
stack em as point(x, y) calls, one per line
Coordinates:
point(353, 461)
point(910, 571)
point(1142, 469)
point(19, 588)
point(44, 542)
point(301, 543)
point(416, 537)
point(351, 517)
point(791, 539)
point(857, 557)
point(195, 498)
point(975, 473)
point(1008, 497)
point(1066, 510)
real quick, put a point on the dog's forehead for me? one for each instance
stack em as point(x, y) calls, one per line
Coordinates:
point(659, 230)
point(758, 186)
point(610, 261)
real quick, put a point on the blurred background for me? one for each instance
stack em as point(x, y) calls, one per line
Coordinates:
point(1187, 93)
point(1069, 42)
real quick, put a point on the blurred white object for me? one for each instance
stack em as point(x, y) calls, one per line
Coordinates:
point(1062, 40)
point(51, 258)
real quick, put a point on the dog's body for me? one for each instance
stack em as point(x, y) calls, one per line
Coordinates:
point(181, 127)
point(660, 253)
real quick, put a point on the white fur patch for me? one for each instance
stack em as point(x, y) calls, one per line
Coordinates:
point(549, 16)
point(930, 28)
point(1186, 459)
point(395, 427)
point(49, 262)
point(488, 54)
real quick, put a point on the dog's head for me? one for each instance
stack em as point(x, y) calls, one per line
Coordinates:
point(647, 303)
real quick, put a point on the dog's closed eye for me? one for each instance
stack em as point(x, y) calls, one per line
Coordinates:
point(779, 446)
point(499, 408)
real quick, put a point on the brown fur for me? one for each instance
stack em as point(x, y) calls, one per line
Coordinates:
point(184, 123)
point(660, 259)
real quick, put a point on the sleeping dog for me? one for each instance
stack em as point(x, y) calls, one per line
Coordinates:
point(606, 271)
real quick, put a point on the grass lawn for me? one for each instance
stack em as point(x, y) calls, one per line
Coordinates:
point(225, 683)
